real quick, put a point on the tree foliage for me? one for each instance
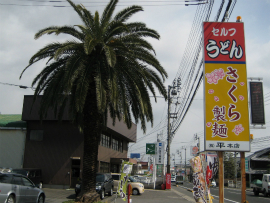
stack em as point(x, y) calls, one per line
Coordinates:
point(229, 165)
point(106, 68)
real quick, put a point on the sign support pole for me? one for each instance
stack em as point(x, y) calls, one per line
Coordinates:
point(243, 177)
point(221, 177)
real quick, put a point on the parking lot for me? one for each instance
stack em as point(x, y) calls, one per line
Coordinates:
point(58, 195)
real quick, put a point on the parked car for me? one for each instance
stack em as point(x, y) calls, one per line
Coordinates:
point(144, 179)
point(5, 170)
point(173, 178)
point(179, 179)
point(213, 183)
point(256, 183)
point(16, 188)
point(137, 187)
point(104, 184)
point(34, 174)
point(264, 187)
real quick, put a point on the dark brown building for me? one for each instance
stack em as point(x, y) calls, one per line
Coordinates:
point(57, 147)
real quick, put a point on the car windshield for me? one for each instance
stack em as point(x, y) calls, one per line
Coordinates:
point(100, 178)
point(132, 179)
point(269, 178)
point(22, 172)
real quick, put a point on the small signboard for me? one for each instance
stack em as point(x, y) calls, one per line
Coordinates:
point(256, 103)
point(194, 150)
point(246, 165)
point(135, 155)
point(150, 148)
point(160, 153)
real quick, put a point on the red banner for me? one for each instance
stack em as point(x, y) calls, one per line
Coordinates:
point(224, 42)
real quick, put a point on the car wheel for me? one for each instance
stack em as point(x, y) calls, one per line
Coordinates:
point(135, 192)
point(256, 193)
point(10, 199)
point(111, 192)
point(102, 194)
point(40, 185)
point(41, 199)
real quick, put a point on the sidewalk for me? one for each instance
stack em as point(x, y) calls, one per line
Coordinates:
point(154, 196)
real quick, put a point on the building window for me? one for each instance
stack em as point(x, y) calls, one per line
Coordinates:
point(105, 141)
point(114, 168)
point(36, 135)
point(114, 144)
point(104, 167)
point(120, 146)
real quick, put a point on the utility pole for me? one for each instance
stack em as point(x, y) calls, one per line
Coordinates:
point(185, 161)
point(235, 170)
point(169, 131)
point(173, 92)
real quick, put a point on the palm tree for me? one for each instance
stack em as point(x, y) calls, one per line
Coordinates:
point(107, 68)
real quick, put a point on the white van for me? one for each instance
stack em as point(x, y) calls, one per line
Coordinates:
point(265, 189)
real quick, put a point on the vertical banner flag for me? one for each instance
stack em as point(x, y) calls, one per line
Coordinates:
point(212, 167)
point(160, 153)
point(199, 189)
point(122, 185)
point(225, 87)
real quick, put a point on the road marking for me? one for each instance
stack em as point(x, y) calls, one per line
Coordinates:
point(183, 195)
point(226, 199)
point(235, 192)
point(213, 196)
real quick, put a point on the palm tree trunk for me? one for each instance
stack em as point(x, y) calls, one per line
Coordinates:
point(92, 133)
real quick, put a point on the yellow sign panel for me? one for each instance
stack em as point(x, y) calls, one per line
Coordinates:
point(226, 107)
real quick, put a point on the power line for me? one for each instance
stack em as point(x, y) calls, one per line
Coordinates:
point(21, 86)
point(125, 3)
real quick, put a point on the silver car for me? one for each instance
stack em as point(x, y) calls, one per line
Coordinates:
point(16, 188)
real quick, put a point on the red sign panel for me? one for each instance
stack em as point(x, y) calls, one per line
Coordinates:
point(224, 42)
point(168, 181)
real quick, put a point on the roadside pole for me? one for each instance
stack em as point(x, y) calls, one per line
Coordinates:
point(154, 172)
point(243, 177)
point(221, 177)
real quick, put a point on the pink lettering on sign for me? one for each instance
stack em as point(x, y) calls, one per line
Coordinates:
point(238, 129)
point(219, 130)
point(230, 93)
point(219, 113)
point(232, 73)
point(236, 115)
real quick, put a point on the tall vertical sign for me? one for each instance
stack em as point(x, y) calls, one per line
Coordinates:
point(160, 153)
point(225, 87)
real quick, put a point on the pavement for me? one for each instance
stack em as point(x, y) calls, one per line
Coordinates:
point(149, 196)
point(154, 196)
point(58, 195)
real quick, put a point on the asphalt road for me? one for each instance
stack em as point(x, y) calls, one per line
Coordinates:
point(182, 194)
point(231, 195)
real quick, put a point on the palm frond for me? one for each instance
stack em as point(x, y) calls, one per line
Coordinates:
point(126, 13)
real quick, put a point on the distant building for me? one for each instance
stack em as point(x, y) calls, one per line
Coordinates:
point(259, 162)
point(12, 140)
point(57, 147)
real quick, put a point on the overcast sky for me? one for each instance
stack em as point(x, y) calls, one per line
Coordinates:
point(21, 19)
